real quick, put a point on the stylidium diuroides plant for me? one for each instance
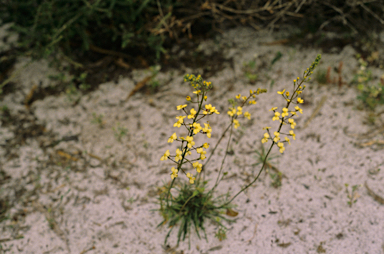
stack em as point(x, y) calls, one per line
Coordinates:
point(192, 204)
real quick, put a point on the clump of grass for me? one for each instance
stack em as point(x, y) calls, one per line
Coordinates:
point(221, 234)
point(98, 119)
point(120, 132)
point(352, 195)
point(191, 207)
point(250, 71)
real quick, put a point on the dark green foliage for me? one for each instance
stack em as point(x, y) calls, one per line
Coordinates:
point(371, 96)
point(145, 26)
point(74, 24)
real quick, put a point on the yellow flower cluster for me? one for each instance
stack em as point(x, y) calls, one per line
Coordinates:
point(234, 112)
point(188, 144)
point(284, 116)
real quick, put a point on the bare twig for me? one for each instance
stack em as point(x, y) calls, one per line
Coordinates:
point(374, 195)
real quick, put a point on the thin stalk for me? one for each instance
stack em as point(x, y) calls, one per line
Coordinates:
point(185, 147)
point(222, 162)
point(214, 149)
point(270, 148)
point(254, 180)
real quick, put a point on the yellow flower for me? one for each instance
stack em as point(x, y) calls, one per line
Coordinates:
point(292, 122)
point(277, 136)
point(181, 106)
point(174, 173)
point(178, 155)
point(239, 111)
point(266, 128)
point(165, 156)
point(191, 178)
point(205, 97)
point(293, 113)
point(207, 109)
point(299, 100)
point(273, 109)
point(287, 139)
point(281, 146)
point(196, 128)
point(208, 83)
point(197, 92)
point(281, 92)
point(244, 98)
point(252, 102)
point(190, 141)
point(206, 145)
point(265, 139)
point(292, 134)
point(237, 124)
point(276, 117)
point(198, 166)
point(201, 152)
point(247, 115)
point(299, 92)
point(299, 109)
point(285, 112)
point(188, 98)
point(179, 122)
point(193, 113)
point(207, 129)
point(231, 112)
point(172, 138)
point(210, 109)
point(287, 93)
point(238, 96)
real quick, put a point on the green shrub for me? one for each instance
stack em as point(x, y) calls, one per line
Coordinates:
point(370, 94)
point(46, 26)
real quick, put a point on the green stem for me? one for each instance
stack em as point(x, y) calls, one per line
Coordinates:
point(222, 162)
point(185, 147)
point(266, 157)
point(254, 180)
point(214, 149)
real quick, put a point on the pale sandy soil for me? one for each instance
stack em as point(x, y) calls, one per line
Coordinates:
point(94, 194)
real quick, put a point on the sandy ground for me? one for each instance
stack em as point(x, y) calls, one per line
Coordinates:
point(74, 188)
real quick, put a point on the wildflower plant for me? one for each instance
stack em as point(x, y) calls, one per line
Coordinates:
point(352, 195)
point(371, 95)
point(193, 204)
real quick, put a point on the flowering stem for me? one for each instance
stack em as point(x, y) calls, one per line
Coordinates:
point(185, 149)
point(254, 180)
point(222, 162)
point(273, 143)
point(214, 149)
